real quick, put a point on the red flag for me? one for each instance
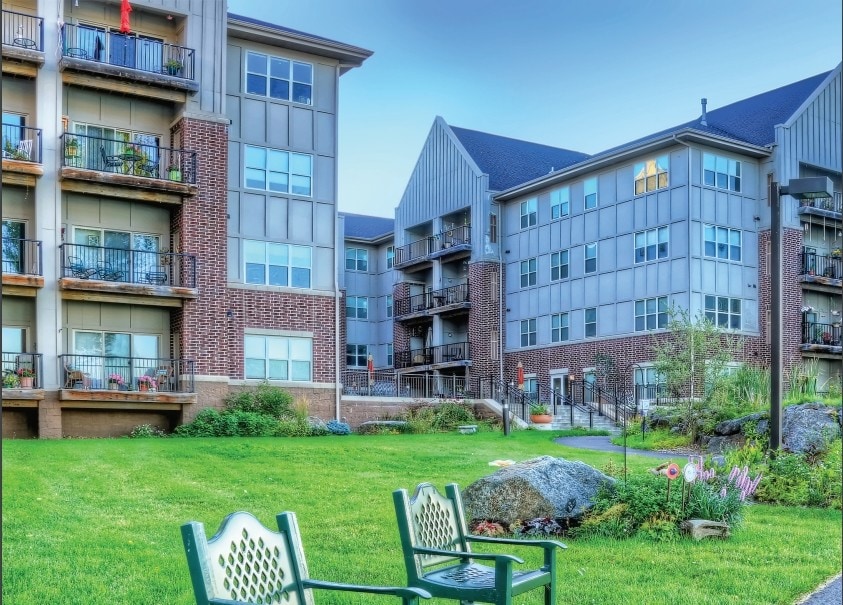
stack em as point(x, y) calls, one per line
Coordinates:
point(520, 376)
point(125, 9)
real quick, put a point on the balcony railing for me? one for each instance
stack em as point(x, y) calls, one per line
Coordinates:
point(387, 383)
point(430, 300)
point(22, 256)
point(128, 266)
point(21, 143)
point(90, 372)
point(431, 244)
point(456, 351)
point(13, 363)
point(127, 50)
point(23, 31)
point(826, 266)
point(832, 204)
point(821, 333)
point(124, 157)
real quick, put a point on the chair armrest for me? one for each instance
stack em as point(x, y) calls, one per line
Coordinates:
point(224, 602)
point(458, 554)
point(490, 540)
point(405, 592)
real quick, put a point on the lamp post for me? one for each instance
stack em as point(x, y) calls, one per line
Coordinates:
point(800, 189)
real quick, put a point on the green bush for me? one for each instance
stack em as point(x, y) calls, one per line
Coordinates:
point(791, 480)
point(146, 430)
point(230, 423)
point(714, 502)
point(433, 418)
point(265, 399)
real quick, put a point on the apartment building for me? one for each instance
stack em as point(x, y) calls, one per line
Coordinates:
point(169, 203)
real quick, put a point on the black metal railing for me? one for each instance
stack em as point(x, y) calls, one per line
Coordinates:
point(18, 368)
point(128, 266)
point(23, 31)
point(818, 264)
point(562, 404)
point(22, 256)
point(614, 403)
point(821, 333)
point(429, 300)
point(125, 157)
point(517, 402)
point(388, 383)
point(455, 351)
point(21, 143)
point(832, 204)
point(101, 372)
point(454, 237)
point(431, 244)
point(127, 50)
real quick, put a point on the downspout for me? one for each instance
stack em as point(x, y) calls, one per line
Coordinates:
point(337, 245)
point(689, 240)
point(501, 305)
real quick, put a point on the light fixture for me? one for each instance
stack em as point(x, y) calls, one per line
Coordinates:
point(450, 334)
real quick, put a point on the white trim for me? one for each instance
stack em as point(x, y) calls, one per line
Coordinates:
point(271, 332)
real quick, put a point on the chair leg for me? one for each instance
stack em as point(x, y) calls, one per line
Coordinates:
point(550, 594)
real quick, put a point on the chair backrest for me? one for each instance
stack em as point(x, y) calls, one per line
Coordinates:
point(430, 520)
point(25, 148)
point(102, 153)
point(246, 562)
point(74, 262)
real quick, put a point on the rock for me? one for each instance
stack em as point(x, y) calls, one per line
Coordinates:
point(541, 487)
point(809, 428)
point(735, 425)
point(722, 443)
point(657, 418)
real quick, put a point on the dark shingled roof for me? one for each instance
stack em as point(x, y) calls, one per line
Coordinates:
point(510, 162)
point(367, 227)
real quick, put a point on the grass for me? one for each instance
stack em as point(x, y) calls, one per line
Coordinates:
point(654, 439)
point(97, 521)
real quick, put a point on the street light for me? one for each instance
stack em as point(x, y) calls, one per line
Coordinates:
point(800, 189)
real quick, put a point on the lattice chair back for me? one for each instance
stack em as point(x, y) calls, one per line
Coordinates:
point(245, 562)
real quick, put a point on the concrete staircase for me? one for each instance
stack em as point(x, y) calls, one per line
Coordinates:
point(562, 421)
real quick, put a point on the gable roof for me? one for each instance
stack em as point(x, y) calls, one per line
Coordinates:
point(360, 226)
point(509, 162)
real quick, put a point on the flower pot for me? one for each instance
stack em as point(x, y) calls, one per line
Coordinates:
point(174, 175)
point(113, 386)
point(541, 418)
point(26, 382)
point(143, 386)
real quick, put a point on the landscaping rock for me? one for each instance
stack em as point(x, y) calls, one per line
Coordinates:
point(657, 418)
point(541, 487)
point(720, 444)
point(809, 428)
point(735, 425)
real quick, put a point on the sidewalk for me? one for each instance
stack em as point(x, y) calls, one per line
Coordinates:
point(830, 593)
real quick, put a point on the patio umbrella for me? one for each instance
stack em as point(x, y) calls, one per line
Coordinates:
point(520, 376)
point(370, 366)
point(125, 9)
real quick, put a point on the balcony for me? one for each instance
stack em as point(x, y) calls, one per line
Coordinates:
point(418, 254)
point(164, 383)
point(23, 272)
point(96, 273)
point(822, 273)
point(387, 383)
point(446, 301)
point(824, 207)
point(821, 338)
point(23, 44)
point(21, 155)
point(127, 63)
point(22, 379)
point(433, 358)
point(109, 166)
point(453, 242)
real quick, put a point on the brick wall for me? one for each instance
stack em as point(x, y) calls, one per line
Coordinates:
point(400, 333)
point(484, 316)
point(113, 423)
point(20, 423)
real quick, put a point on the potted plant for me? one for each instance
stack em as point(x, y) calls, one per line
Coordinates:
point(540, 414)
point(826, 337)
point(71, 147)
point(836, 253)
point(115, 381)
point(173, 66)
point(10, 380)
point(145, 383)
point(174, 173)
point(27, 377)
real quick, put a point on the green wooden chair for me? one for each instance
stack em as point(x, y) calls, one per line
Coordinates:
point(439, 559)
point(246, 563)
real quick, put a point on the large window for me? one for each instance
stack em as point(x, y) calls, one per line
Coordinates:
point(651, 175)
point(390, 257)
point(357, 356)
point(559, 327)
point(590, 322)
point(389, 305)
point(278, 357)
point(590, 193)
point(720, 242)
point(277, 264)
point(117, 255)
point(528, 272)
point(277, 78)
point(720, 172)
point(723, 312)
point(127, 354)
point(650, 313)
point(528, 332)
point(103, 140)
point(560, 202)
point(651, 244)
point(276, 170)
point(14, 261)
point(356, 259)
point(357, 307)
point(13, 131)
point(559, 265)
point(591, 257)
point(528, 213)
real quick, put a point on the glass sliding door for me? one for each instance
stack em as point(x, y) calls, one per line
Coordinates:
point(13, 246)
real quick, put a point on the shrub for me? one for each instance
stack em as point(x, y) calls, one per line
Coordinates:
point(715, 503)
point(487, 528)
point(445, 416)
point(230, 423)
point(609, 523)
point(335, 427)
point(265, 399)
point(146, 430)
point(539, 527)
point(791, 480)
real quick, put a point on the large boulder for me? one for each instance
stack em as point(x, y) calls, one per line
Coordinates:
point(541, 487)
point(809, 428)
point(735, 426)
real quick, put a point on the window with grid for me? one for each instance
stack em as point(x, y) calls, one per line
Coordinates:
point(278, 357)
point(274, 264)
point(528, 332)
point(721, 172)
point(590, 192)
point(560, 202)
point(279, 78)
point(651, 174)
point(559, 265)
point(357, 356)
point(651, 244)
point(390, 359)
point(528, 213)
point(559, 327)
point(721, 242)
point(357, 307)
point(390, 257)
point(591, 257)
point(528, 272)
point(493, 228)
point(590, 322)
point(276, 170)
point(356, 259)
point(650, 313)
point(723, 312)
point(389, 307)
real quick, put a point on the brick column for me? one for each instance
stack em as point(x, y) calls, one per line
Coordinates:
point(484, 291)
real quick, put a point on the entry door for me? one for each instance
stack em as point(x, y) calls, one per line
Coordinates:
point(557, 385)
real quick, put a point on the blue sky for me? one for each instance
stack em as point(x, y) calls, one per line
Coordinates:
point(579, 74)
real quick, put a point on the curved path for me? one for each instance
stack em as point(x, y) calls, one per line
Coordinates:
point(603, 444)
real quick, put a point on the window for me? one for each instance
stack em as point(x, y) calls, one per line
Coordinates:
point(276, 170)
point(560, 203)
point(531, 387)
point(528, 332)
point(590, 192)
point(651, 244)
point(559, 265)
point(591, 322)
point(357, 356)
point(721, 172)
point(274, 264)
point(356, 259)
point(723, 312)
point(528, 213)
point(273, 77)
point(650, 313)
point(126, 256)
point(13, 131)
point(390, 257)
point(14, 232)
point(115, 141)
point(493, 228)
point(651, 175)
point(357, 307)
point(127, 354)
point(390, 359)
point(559, 327)
point(389, 305)
point(720, 242)
point(278, 357)
point(528, 272)
point(591, 257)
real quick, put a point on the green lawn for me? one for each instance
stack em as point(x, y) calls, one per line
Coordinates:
point(97, 521)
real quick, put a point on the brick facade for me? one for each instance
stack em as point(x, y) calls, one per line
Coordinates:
point(484, 289)
point(400, 333)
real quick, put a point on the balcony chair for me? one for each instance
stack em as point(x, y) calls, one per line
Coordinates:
point(74, 377)
point(438, 556)
point(107, 272)
point(148, 169)
point(79, 269)
point(23, 151)
point(110, 161)
point(157, 275)
point(244, 562)
point(165, 378)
